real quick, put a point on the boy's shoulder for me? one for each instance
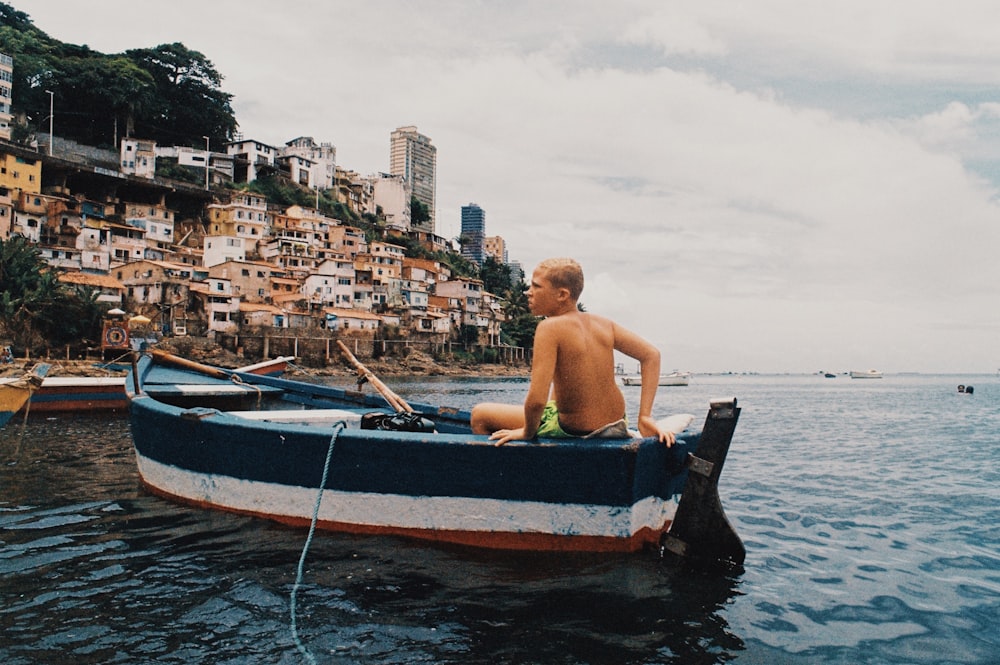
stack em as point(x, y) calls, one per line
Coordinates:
point(572, 319)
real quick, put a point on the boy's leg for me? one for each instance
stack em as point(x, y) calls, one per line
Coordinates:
point(489, 417)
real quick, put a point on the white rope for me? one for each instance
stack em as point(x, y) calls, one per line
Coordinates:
point(338, 428)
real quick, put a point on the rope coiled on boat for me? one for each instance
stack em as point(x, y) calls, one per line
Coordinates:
point(238, 380)
point(337, 429)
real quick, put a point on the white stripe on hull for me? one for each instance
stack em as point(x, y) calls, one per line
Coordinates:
point(409, 512)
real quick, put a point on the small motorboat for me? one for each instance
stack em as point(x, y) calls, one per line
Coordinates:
point(674, 378)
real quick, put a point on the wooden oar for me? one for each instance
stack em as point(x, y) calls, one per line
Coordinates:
point(394, 400)
point(170, 359)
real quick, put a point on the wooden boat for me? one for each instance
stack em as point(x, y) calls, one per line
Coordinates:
point(674, 378)
point(868, 374)
point(15, 392)
point(445, 485)
point(107, 393)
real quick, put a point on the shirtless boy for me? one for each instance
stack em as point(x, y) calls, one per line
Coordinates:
point(572, 375)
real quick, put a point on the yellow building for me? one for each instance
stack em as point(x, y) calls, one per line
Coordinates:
point(19, 171)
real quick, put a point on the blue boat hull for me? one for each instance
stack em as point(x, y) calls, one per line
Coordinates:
point(567, 494)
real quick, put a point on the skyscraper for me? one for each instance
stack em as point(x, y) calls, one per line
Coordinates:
point(474, 233)
point(412, 156)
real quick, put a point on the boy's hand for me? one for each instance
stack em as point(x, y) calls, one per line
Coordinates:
point(502, 436)
point(648, 427)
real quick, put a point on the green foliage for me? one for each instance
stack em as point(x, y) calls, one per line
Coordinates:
point(187, 103)
point(280, 190)
point(169, 168)
point(167, 93)
point(519, 328)
point(36, 309)
point(496, 276)
point(420, 214)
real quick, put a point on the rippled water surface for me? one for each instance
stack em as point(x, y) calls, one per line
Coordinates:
point(870, 510)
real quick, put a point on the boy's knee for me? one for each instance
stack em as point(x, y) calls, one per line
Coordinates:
point(476, 421)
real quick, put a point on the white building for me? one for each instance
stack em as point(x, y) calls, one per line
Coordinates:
point(219, 249)
point(249, 157)
point(321, 157)
point(332, 284)
point(393, 194)
point(138, 157)
point(6, 91)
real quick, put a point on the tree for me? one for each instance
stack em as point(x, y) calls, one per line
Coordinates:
point(189, 103)
point(496, 276)
point(168, 93)
point(519, 328)
point(419, 213)
point(107, 94)
point(36, 309)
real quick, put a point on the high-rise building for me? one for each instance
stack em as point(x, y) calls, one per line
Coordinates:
point(6, 85)
point(412, 156)
point(496, 247)
point(474, 233)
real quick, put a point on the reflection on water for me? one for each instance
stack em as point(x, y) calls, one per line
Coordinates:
point(870, 516)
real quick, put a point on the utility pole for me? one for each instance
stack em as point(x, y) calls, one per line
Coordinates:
point(52, 103)
point(208, 158)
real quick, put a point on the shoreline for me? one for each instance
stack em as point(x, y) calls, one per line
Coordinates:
point(416, 364)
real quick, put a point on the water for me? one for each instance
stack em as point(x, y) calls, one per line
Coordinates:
point(870, 511)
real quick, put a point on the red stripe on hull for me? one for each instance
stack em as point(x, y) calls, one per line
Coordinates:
point(645, 538)
point(111, 404)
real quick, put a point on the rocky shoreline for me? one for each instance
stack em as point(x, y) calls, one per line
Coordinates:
point(416, 363)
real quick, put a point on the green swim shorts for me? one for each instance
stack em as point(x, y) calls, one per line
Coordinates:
point(551, 428)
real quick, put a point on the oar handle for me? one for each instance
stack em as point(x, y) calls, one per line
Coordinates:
point(168, 358)
point(394, 400)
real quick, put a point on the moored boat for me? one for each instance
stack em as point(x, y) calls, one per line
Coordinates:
point(674, 378)
point(16, 391)
point(445, 485)
point(107, 393)
point(867, 374)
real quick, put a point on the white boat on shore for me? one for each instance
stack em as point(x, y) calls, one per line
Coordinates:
point(867, 374)
point(674, 378)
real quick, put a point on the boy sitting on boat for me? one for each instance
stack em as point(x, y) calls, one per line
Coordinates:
point(573, 391)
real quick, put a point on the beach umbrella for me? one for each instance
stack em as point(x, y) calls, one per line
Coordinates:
point(139, 320)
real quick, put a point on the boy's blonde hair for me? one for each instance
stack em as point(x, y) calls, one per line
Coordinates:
point(564, 274)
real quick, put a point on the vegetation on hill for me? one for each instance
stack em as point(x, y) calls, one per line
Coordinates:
point(37, 311)
point(167, 93)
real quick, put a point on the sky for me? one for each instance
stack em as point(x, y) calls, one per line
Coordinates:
point(770, 186)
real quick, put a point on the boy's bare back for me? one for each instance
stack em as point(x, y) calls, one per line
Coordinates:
point(583, 380)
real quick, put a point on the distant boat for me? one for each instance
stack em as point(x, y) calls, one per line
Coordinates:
point(830, 375)
point(675, 378)
point(868, 374)
point(15, 392)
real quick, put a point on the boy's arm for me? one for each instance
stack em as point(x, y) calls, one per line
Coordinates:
point(543, 368)
point(648, 356)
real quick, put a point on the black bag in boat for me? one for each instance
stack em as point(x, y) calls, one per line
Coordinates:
point(397, 422)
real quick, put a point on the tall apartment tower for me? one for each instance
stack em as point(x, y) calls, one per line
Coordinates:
point(412, 156)
point(6, 85)
point(474, 233)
